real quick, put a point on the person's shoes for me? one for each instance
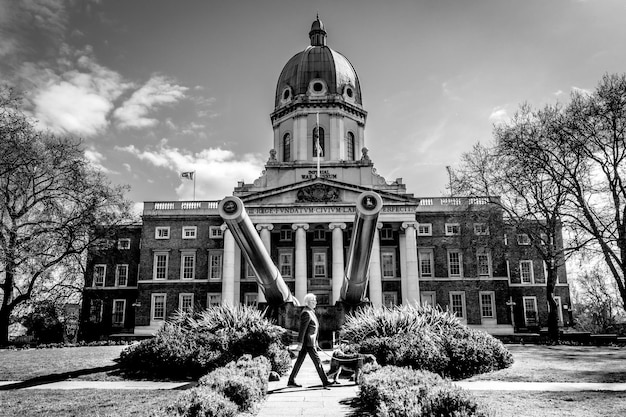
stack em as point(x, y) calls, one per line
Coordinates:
point(293, 384)
point(331, 383)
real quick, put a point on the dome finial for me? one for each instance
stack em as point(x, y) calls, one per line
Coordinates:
point(317, 33)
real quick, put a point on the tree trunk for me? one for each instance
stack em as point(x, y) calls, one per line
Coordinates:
point(4, 328)
point(553, 314)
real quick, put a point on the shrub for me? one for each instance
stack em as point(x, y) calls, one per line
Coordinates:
point(243, 382)
point(473, 352)
point(395, 392)
point(192, 344)
point(424, 338)
point(201, 402)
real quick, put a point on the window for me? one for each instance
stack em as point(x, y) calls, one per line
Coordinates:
point(481, 229)
point(213, 299)
point(215, 264)
point(119, 310)
point(487, 305)
point(457, 303)
point(250, 298)
point(286, 234)
point(319, 233)
point(187, 265)
point(216, 232)
point(320, 130)
point(455, 263)
point(424, 229)
point(99, 272)
point(286, 147)
point(250, 272)
point(530, 311)
point(390, 298)
point(121, 275)
point(162, 232)
point(285, 262)
point(425, 262)
point(160, 265)
point(453, 229)
point(185, 302)
point(158, 307)
point(95, 311)
point(526, 272)
point(319, 263)
point(428, 298)
point(388, 261)
point(123, 244)
point(483, 259)
point(190, 232)
point(323, 298)
point(350, 146)
point(523, 239)
point(386, 233)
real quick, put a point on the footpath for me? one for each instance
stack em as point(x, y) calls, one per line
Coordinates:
point(312, 399)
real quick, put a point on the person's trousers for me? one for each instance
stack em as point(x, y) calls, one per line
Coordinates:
point(316, 361)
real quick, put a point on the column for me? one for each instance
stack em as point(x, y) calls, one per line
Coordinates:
point(403, 272)
point(412, 279)
point(375, 282)
point(266, 237)
point(338, 261)
point(301, 264)
point(228, 268)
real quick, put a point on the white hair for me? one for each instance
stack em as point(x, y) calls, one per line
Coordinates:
point(308, 298)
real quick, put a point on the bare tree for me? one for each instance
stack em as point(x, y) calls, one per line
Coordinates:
point(594, 135)
point(530, 187)
point(50, 200)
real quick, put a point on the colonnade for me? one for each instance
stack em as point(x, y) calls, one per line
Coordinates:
point(407, 251)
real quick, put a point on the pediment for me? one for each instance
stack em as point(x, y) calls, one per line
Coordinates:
point(318, 191)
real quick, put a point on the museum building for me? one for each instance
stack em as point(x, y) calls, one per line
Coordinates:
point(458, 253)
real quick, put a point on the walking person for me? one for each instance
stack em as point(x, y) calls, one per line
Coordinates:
point(307, 342)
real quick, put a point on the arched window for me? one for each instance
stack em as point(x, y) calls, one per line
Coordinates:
point(316, 130)
point(350, 146)
point(287, 147)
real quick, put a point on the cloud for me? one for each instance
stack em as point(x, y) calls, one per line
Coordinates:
point(217, 170)
point(157, 92)
point(499, 115)
point(79, 99)
point(97, 158)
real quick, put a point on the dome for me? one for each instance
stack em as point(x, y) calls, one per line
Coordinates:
point(318, 71)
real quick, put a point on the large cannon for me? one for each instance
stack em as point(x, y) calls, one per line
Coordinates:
point(234, 214)
point(368, 206)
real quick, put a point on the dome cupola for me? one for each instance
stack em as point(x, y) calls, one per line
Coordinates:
point(318, 100)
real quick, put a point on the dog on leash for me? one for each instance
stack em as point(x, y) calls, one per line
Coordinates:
point(351, 363)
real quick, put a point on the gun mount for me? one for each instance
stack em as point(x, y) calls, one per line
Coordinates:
point(233, 212)
point(368, 207)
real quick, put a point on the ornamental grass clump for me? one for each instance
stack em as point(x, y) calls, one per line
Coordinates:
point(403, 392)
point(190, 344)
point(424, 338)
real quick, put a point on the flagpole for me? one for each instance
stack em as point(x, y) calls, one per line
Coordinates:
point(317, 144)
point(194, 186)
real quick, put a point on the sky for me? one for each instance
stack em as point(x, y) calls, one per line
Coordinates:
point(159, 87)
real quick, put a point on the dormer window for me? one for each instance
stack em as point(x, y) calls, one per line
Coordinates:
point(317, 87)
point(286, 95)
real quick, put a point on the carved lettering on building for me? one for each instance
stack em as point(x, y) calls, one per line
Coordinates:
point(324, 173)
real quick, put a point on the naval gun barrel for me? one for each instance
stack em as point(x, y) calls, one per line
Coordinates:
point(234, 214)
point(368, 207)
